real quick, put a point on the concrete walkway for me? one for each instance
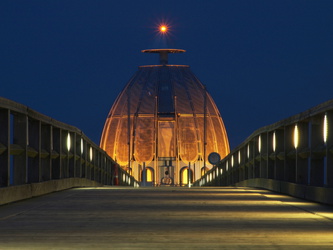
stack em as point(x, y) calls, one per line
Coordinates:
point(165, 218)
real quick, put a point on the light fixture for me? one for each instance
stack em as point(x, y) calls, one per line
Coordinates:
point(91, 153)
point(81, 146)
point(274, 142)
point(239, 157)
point(69, 142)
point(325, 129)
point(296, 136)
point(259, 143)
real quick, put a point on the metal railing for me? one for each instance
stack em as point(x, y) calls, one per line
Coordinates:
point(296, 150)
point(35, 148)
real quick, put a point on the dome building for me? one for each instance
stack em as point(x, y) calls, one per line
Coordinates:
point(164, 124)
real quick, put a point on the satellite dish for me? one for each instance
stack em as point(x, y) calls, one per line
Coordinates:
point(214, 158)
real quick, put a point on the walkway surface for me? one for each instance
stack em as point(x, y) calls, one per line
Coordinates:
point(166, 218)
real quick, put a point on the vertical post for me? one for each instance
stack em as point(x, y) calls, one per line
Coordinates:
point(34, 160)
point(205, 128)
point(309, 158)
point(144, 174)
point(156, 167)
point(129, 128)
point(329, 145)
point(188, 174)
point(20, 139)
point(56, 147)
point(46, 146)
point(4, 147)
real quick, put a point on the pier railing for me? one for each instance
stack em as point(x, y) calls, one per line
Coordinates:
point(35, 148)
point(293, 156)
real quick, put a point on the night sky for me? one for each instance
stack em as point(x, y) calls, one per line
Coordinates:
point(262, 61)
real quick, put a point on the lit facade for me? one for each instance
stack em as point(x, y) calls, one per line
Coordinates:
point(163, 123)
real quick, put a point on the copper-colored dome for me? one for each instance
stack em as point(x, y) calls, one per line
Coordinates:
point(164, 106)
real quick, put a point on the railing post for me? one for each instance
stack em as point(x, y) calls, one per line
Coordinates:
point(316, 162)
point(46, 151)
point(4, 147)
point(329, 149)
point(34, 151)
point(56, 153)
point(290, 168)
point(264, 156)
point(19, 148)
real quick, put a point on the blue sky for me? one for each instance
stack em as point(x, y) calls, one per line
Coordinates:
point(262, 61)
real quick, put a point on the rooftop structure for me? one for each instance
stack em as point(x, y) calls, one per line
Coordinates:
point(163, 123)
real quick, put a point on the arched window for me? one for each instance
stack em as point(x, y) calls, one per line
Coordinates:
point(150, 174)
point(184, 176)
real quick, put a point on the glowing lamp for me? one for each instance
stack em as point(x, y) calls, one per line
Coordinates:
point(91, 153)
point(81, 146)
point(239, 157)
point(248, 151)
point(69, 142)
point(274, 142)
point(259, 143)
point(296, 136)
point(325, 129)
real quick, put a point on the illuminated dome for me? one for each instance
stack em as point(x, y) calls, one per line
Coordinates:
point(170, 116)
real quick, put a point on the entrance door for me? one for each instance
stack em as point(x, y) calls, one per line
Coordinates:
point(167, 173)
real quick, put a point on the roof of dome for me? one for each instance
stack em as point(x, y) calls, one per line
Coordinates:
point(164, 95)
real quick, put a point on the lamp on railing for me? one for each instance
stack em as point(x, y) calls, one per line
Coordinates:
point(239, 157)
point(325, 129)
point(91, 153)
point(69, 142)
point(325, 135)
point(296, 137)
point(81, 146)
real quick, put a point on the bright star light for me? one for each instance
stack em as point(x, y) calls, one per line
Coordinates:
point(163, 29)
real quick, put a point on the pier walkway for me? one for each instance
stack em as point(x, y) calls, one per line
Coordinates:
point(166, 218)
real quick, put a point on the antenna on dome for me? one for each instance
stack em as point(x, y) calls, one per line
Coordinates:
point(163, 53)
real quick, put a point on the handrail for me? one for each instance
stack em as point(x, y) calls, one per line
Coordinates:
point(36, 148)
point(296, 150)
